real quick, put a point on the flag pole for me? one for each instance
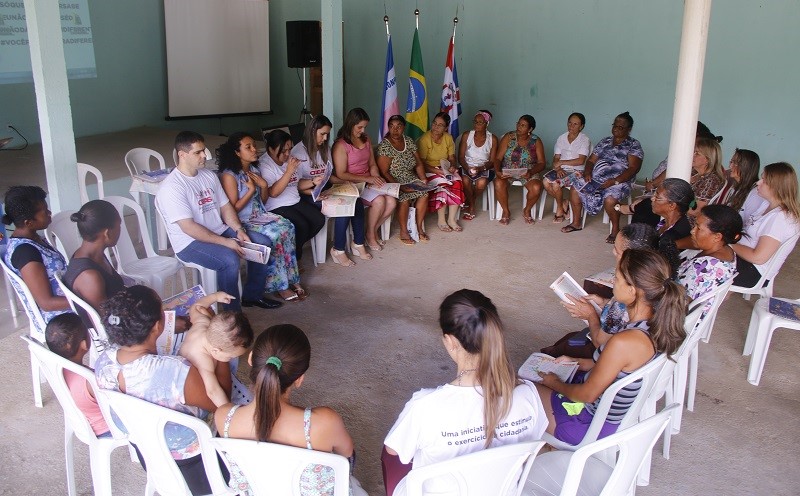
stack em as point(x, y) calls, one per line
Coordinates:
point(455, 24)
point(416, 15)
point(386, 21)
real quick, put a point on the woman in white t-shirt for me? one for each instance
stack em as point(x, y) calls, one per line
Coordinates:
point(280, 170)
point(485, 405)
point(569, 156)
point(767, 225)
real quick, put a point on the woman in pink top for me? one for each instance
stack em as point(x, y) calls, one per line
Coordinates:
point(354, 161)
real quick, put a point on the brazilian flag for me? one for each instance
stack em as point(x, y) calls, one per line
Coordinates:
point(417, 103)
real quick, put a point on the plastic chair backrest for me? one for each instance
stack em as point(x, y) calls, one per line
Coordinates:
point(28, 303)
point(286, 465)
point(501, 470)
point(97, 332)
point(778, 257)
point(83, 171)
point(63, 234)
point(138, 160)
point(145, 423)
point(53, 366)
point(649, 375)
point(125, 251)
point(633, 444)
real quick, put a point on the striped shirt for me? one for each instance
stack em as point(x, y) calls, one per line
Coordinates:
point(626, 396)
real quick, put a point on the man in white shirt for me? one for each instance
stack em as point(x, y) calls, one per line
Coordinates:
point(203, 226)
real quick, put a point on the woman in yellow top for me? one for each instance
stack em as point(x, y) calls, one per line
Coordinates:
point(437, 150)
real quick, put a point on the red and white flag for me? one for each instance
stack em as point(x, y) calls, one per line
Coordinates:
point(451, 93)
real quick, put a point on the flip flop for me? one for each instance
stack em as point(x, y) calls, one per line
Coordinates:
point(558, 219)
point(456, 228)
point(610, 239)
point(570, 228)
point(504, 221)
point(293, 297)
point(445, 228)
point(529, 220)
point(423, 236)
point(468, 216)
point(407, 241)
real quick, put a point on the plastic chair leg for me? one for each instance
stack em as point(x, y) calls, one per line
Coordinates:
point(100, 462)
point(759, 358)
point(37, 382)
point(69, 461)
point(692, 378)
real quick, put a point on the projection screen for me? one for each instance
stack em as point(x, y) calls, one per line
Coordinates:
point(217, 57)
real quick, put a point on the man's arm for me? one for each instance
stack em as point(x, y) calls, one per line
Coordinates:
point(231, 218)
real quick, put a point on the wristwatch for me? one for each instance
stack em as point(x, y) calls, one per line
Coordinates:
point(617, 207)
point(616, 183)
point(242, 229)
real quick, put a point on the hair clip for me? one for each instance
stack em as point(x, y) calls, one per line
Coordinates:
point(113, 319)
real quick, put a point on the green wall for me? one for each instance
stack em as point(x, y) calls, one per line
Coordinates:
point(599, 57)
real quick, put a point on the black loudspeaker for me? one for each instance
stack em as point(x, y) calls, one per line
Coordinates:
point(303, 44)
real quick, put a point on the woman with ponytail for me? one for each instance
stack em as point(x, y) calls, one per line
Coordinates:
point(656, 308)
point(484, 406)
point(279, 360)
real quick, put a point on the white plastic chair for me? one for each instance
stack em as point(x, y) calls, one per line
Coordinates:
point(682, 367)
point(648, 374)
point(145, 423)
point(75, 423)
point(570, 215)
point(83, 171)
point(12, 300)
point(140, 160)
point(281, 473)
point(488, 200)
point(502, 470)
point(567, 473)
point(319, 243)
point(63, 234)
point(97, 332)
point(37, 326)
point(154, 269)
point(759, 335)
point(763, 288)
point(538, 205)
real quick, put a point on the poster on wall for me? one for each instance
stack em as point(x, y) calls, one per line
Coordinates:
point(76, 32)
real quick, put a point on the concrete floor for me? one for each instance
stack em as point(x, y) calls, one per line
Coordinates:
point(375, 340)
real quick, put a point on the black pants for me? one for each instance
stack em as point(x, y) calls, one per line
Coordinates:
point(307, 220)
point(193, 471)
point(748, 275)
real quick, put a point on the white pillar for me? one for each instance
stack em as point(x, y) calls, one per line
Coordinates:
point(691, 61)
point(332, 62)
point(52, 102)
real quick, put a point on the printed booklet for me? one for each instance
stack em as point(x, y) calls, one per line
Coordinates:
point(540, 362)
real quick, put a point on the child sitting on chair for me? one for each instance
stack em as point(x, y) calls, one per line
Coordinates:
point(67, 337)
point(217, 338)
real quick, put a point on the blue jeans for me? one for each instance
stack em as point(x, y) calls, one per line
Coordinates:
point(340, 228)
point(226, 263)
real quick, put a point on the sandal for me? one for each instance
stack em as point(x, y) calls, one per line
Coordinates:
point(423, 236)
point(504, 221)
point(467, 216)
point(291, 297)
point(529, 220)
point(375, 247)
point(558, 219)
point(360, 251)
point(456, 228)
point(570, 228)
point(445, 228)
point(341, 258)
point(407, 241)
point(610, 239)
point(300, 292)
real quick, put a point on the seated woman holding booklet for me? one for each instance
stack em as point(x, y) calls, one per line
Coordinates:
point(247, 190)
point(656, 306)
point(614, 315)
point(354, 161)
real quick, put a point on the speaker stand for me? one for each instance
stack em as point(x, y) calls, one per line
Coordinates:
point(305, 115)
